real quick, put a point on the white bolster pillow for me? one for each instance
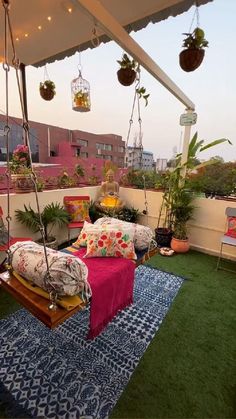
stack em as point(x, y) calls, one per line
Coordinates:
point(68, 273)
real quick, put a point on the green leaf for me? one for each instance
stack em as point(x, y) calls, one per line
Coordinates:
point(104, 252)
point(216, 142)
point(125, 237)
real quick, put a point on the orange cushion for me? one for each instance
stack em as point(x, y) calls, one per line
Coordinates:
point(78, 210)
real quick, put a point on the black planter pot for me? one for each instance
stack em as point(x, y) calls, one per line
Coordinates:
point(163, 236)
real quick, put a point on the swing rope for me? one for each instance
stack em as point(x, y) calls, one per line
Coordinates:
point(137, 98)
point(16, 64)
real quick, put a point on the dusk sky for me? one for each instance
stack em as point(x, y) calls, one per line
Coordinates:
point(212, 87)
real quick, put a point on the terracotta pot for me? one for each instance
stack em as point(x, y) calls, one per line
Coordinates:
point(180, 246)
point(22, 183)
point(190, 59)
point(126, 76)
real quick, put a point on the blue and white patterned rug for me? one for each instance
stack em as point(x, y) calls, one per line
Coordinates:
point(59, 374)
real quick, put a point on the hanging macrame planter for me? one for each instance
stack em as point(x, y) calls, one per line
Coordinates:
point(80, 91)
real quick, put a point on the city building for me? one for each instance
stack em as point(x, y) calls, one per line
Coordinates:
point(49, 143)
point(137, 158)
point(161, 165)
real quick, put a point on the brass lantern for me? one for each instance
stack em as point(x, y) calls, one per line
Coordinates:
point(80, 91)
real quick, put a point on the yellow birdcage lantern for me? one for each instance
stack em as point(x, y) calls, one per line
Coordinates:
point(80, 91)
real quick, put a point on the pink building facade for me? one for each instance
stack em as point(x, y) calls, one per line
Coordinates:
point(50, 144)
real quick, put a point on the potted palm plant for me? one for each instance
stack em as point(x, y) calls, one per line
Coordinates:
point(177, 206)
point(192, 55)
point(128, 70)
point(52, 215)
point(182, 211)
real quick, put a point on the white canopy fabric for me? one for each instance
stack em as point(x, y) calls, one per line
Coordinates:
point(68, 32)
point(49, 30)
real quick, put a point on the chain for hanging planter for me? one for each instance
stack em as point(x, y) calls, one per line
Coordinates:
point(80, 92)
point(192, 56)
point(47, 88)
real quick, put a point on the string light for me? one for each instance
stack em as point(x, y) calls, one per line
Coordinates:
point(49, 18)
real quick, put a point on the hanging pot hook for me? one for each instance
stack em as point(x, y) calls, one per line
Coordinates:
point(95, 39)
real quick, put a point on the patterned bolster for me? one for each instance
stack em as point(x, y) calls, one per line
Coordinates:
point(68, 273)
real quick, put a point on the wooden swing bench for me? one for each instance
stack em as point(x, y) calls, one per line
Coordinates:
point(38, 305)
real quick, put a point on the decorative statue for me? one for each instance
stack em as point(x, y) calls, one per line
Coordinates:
point(109, 194)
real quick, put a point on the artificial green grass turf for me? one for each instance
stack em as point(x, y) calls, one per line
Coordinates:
point(189, 371)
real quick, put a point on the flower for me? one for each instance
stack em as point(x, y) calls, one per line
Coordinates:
point(20, 161)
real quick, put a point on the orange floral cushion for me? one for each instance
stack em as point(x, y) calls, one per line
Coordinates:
point(231, 227)
point(78, 210)
point(116, 242)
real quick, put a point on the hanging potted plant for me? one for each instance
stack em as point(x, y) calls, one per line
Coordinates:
point(128, 70)
point(192, 56)
point(81, 100)
point(47, 89)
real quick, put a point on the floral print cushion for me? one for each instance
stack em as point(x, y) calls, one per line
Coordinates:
point(78, 210)
point(68, 273)
point(116, 242)
point(89, 228)
point(143, 235)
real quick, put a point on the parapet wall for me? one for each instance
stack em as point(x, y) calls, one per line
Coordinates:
point(204, 231)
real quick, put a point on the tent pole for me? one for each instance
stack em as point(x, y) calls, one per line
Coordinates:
point(24, 93)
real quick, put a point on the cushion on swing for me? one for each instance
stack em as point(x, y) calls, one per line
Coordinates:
point(67, 302)
point(89, 228)
point(117, 241)
point(143, 235)
point(68, 273)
